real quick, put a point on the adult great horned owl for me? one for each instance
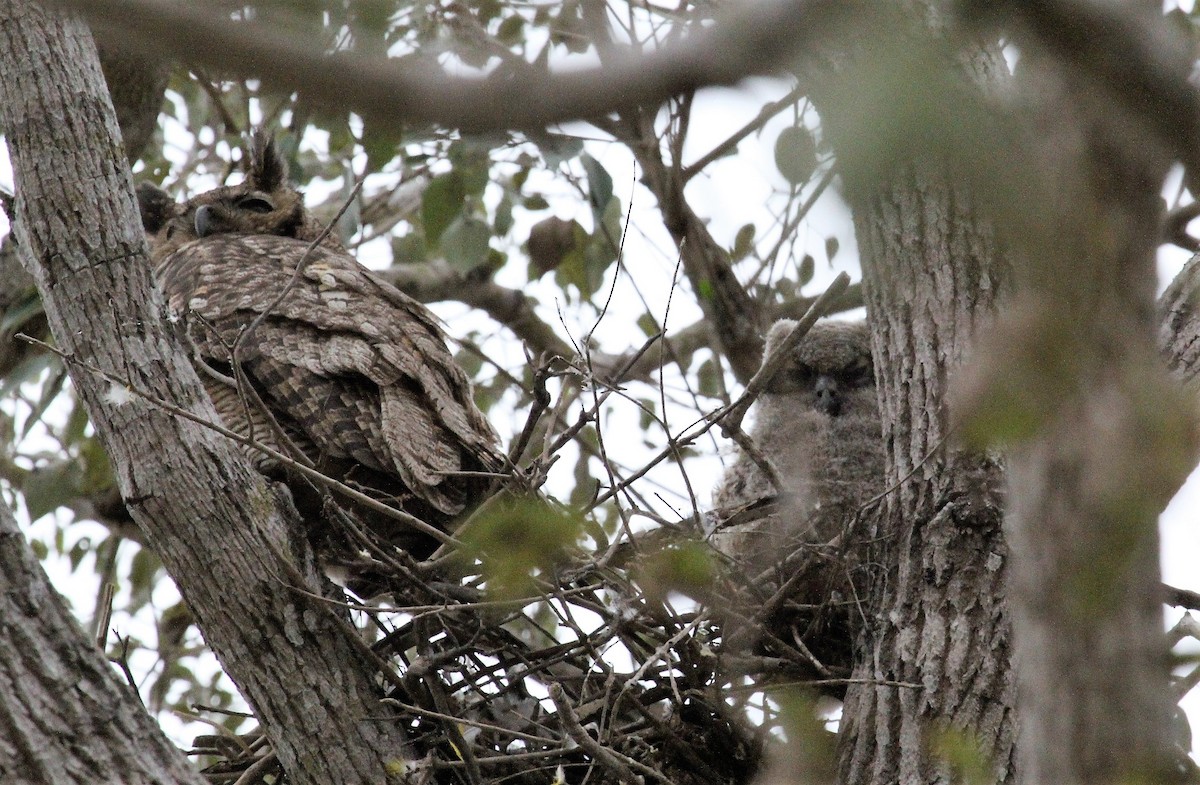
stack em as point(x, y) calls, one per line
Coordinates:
point(336, 364)
point(818, 424)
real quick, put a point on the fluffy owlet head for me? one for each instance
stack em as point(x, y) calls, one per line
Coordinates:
point(263, 203)
point(832, 362)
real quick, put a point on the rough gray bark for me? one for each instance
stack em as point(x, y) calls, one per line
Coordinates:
point(219, 529)
point(933, 663)
point(1112, 445)
point(137, 84)
point(1072, 367)
point(1179, 323)
point(102, 734)
point(938, 622)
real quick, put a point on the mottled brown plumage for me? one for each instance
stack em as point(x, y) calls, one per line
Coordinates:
point(818, 424)
point(353, 371)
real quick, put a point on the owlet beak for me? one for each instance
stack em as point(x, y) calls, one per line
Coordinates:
point(829, 399)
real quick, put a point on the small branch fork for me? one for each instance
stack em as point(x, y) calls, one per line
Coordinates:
point(730, 417)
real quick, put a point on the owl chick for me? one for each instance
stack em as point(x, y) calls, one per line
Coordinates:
point(339, 366)
point(818, 424)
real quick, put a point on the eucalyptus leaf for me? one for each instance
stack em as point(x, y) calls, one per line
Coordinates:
point(743, 243)
point(600, 184)
point(51, 486)
point(796, 154)
point(441, 203)
point(465, 243)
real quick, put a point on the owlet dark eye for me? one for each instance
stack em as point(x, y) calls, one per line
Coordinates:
point(859, 375)
point(803, 375)
point(255, 204)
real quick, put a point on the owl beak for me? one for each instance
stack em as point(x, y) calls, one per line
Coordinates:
point(203, 221)
point(828, 398)
point(211, 219)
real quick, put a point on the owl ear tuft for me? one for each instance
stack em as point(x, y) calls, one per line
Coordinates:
point(267, 170)
point(156, 206)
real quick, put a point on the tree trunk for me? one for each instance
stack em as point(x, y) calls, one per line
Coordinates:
point(933, 692)
point(1179, 324)
point(221, 532)
point(1113, 443)
point(936, 651)
point(65, 717)
point(1071, 369)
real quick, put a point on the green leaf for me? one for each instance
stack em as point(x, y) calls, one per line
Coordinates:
point(409, 249)
point(600, 255)
point(585, 269)
point(586, 484)
point(743, 243)
point(487, 10)
point(81, 548)
point(441, 203)
point(465, 243)
point(51, 486)
point(593, 528)
point(50, 390)
point(613, 220)
point(708, 379)
point(960, 753)
point(469, 361)
point(796, 154)
point(600, 185)
point(504, 215)
point(380, 142)
point(831, 247)
point(341, 140)
point(19, 314)
point(471, 157)
point(807, 266)
point(142, 572)
point(647, 413)
point(27, 370)
point(487, 395)
point(495, 259)
point(558, 149)
point(686, 567)
point(97, 469)
point(535, 202)
point(518, 539)
point(571, 271)
point(76, 423)
point(511, 30)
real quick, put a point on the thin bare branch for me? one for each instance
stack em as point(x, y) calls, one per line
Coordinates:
point(756, 38)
